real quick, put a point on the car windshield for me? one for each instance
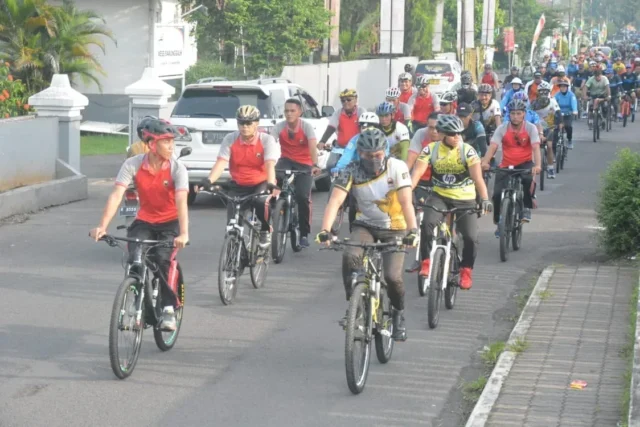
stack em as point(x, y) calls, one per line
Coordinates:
point(220, 102)
point(433, 68)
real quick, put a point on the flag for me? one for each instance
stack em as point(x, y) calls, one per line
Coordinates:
point(539, 29)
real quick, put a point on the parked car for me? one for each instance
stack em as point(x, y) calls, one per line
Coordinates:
point(213, 79)
point(443, 74)
point(208, 111)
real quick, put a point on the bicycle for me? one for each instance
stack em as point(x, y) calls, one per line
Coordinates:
point(545, 164)
point(422, 287)
point(561, 148)
point(626, 110)
point(369, 315)
point(138, 296)
point(511, 208)
point(285, 217)
point(240, 248)
point(445, 256)
point(610, 115)
point(598, 120)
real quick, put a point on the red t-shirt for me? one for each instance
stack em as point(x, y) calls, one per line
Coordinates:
point(296, 148)
point(247, 159)
point(517, 145)
point(422, 108)
point(406, 96)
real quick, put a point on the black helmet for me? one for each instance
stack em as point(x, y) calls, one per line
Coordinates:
point(517, 105)
point(153, 128)
point(448, 123)
point(372, 140)
point(485, 88)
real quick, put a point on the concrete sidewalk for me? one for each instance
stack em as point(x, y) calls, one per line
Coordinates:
point(578, 330)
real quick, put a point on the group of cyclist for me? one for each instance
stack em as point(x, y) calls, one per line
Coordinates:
point(417, 147)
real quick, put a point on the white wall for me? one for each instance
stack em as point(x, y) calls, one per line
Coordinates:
point(369, 77)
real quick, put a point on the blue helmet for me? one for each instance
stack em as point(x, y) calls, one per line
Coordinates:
point(385, 108)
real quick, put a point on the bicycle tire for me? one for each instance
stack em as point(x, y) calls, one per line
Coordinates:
point(454, 280)
point(516, 233)
point(258, 267)
point(384, 344)
point(624, 121)
point(505, 229)
point(280, 222)
point(544, 169)
point(230, 246)
point(559, 155)
point(294, 233)
point(422, 281)
point(359, 303)
point(435, 287)
point(120, 371)
point(596, 127)
point(167, 344)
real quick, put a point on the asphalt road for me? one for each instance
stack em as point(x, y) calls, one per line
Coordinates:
point(275, 357)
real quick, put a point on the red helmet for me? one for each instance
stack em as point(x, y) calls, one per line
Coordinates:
point(152, 129)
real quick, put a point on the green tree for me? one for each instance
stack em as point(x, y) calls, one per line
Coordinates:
point(419, 25)
point(359, 21)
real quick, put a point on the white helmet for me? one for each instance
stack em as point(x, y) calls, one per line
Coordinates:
point(516, 81)
point(561, 69)
point(392, 92)
point(368, 118)
point(544, 86)
point(405, 76)
point(422, 80)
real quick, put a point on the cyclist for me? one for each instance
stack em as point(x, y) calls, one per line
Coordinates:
point(344, 120)
point(599, 90)
point(403, 111)
point(560, 76)
point(424, 103)
point(367, 120)
point(531, 89)
point(297, 140)
point(251, 157)
point(506, 84)
point(568, 104)
point(407, 90)
point(615, 83)
point(487, 110)
point(473, 133)
point(491, 78)
point(516, 86)
point(466, 88)
point(520, 143)
point(630, 83)
point(397, 134)
point(456, 176)
point(618, 66)
point(527, 72)
point(381, 186)
point(548, 110)
point(421, 139)
point(163, 185)
point(448, 103)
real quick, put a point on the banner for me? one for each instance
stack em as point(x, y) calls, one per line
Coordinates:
point(509, 39)
point(392, 22)
point(488, 22)
point(169, 49)
point(436, 44)
point(536, 35)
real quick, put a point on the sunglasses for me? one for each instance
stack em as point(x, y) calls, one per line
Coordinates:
point(343, 100)
point(451, 134)
point(424, 86)
point(245, 122)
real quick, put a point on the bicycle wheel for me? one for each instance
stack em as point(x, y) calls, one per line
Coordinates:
point(228, 269)
point(384, 329)
point(166, 340)
point(294, 232)
point(559, 154)
point(280, 231)
point(123, 320)
point(544, 168)
point(596, 127)
point(454, 279)
point(435, 287)
point(258, 263)
point(516, 233)
point(422, 282)
point(357, 349)
point(505, 229)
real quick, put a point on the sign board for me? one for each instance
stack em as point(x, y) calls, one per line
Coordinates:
point(170, 49)
point(392, 22)
point(509, 39)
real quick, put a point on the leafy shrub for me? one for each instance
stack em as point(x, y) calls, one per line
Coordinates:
point(618, 208)
point(202, 69)
point(13, 94)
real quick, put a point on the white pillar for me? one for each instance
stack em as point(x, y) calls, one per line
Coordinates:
point(147, 96)
point(62, 101)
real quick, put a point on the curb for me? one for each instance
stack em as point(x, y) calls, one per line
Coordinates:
point(634, 401)
point(481, 411)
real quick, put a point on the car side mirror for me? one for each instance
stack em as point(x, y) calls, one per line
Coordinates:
point(327, 111)
point(185, 152)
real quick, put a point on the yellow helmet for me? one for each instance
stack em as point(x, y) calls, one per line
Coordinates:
point(248, 113)
point(348, 93)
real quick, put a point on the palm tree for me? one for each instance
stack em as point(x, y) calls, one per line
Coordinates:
point(41, 40)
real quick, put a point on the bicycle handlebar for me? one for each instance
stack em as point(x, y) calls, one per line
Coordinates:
point(112, 241)
point(293, 172)
point(339, 244)
point(510, 170)
point(234, 199)
point(453, 210)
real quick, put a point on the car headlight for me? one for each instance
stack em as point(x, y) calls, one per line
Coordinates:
point(183, 134)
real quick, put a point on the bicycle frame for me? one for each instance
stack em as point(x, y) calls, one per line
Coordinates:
point(237, 226)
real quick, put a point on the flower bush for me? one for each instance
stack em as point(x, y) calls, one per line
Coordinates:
point(13, 94)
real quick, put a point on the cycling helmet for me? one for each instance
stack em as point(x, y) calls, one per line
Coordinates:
point(368, 118)
point(609, 70)
point(405, 76)
point(385, 108)
point(544, 86)
point(560, 69)
point(485, 88)
point(514, 68)
point(465, 78)
point(517, 105)
point(248, 113)
point(349, 93)
point(449, 123)
point(151, 129)
point(516, 81)
point(592, 63)
point(423, 80)
point(448, 98)
point(521, 95)
point(372, 140)
point(392, 92)
point(563, 83)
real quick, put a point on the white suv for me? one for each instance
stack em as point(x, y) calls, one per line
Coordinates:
point(208, 111)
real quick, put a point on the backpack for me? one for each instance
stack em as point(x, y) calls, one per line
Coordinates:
point(436, 149)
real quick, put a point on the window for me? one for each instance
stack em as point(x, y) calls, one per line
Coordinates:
point(433, 68)
point(277, 101)
point(309, 106)
point(220, 102)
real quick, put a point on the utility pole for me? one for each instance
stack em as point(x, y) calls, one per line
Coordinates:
point(511, 25)
point(463, 33)
point(570, 30)
point(390, 42)
point(329, 55)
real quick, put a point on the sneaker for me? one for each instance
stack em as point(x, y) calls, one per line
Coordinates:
point(551, 173)
point(526, 215)
point(265, 239)
point(465, 278)
point(343, 322)
point(619, 116)
point(304, 242)
point(414, 267)
point(426, 265)
point(399, 328)
point(570, 145)
point(168, 320)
